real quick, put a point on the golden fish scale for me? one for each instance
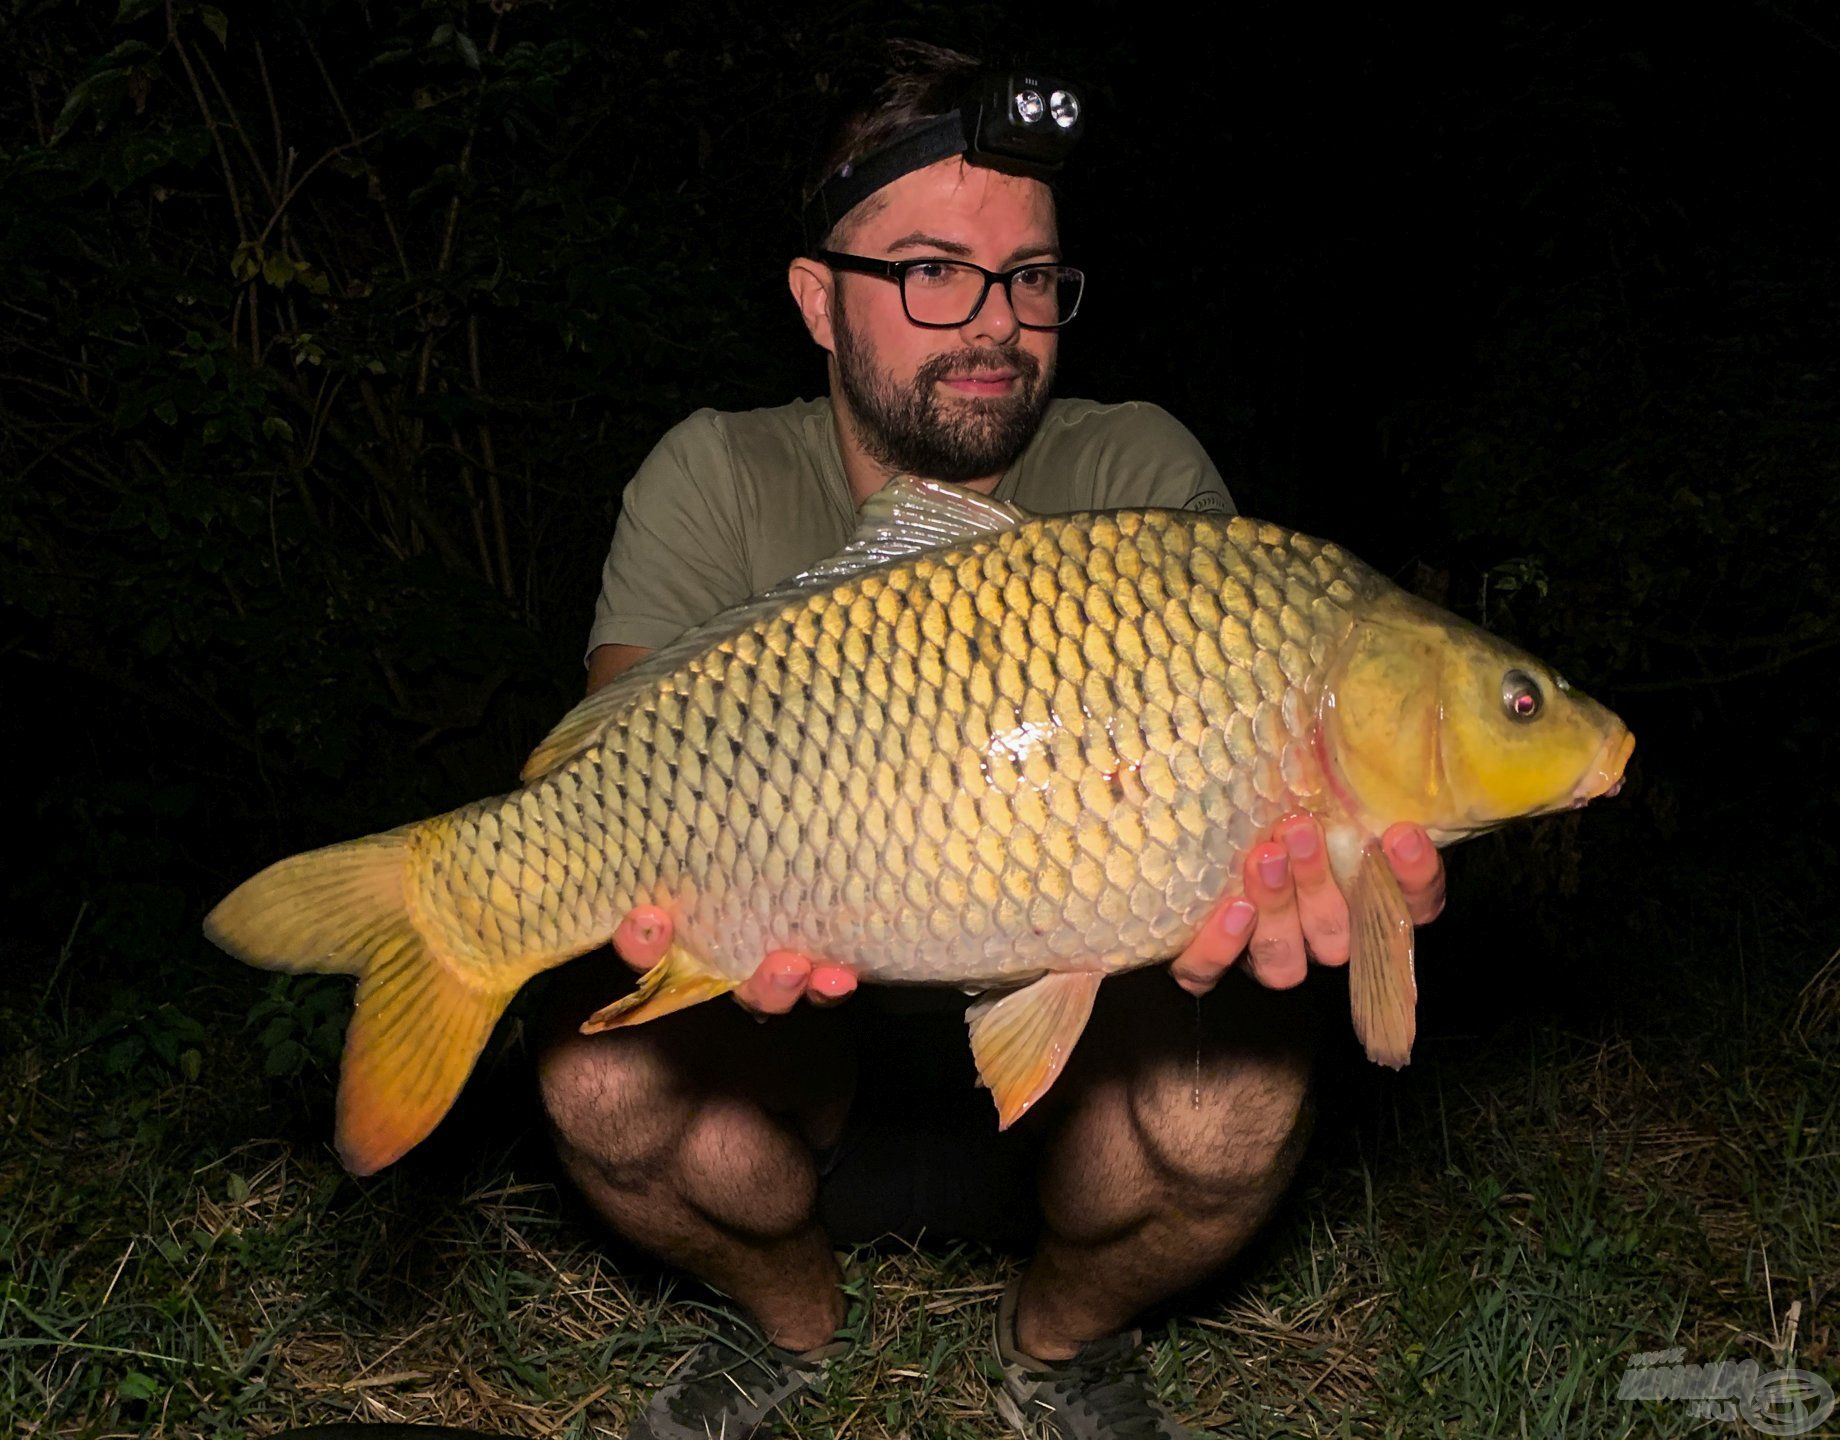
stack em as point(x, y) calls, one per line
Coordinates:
point(1043, 749)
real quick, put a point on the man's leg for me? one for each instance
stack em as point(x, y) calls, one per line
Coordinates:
point(1171, 1146)
point(692, 1136)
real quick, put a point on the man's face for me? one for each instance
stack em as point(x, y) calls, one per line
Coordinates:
point(952, 405)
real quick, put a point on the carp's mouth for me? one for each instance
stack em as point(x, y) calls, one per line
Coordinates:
point(1604, 777)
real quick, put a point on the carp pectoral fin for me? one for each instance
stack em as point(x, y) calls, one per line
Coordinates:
point(1021, 1040)
point(1382, 989)
point(676, 982)
point(418, 1026)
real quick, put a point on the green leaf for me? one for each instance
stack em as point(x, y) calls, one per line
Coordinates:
point(82, 96)
point(167, 411)
point(132, 10)
point(215, 22)
point(136, 1384)
point(277, 269)
point(469, 52)
point(275, 428)
point(246, 262)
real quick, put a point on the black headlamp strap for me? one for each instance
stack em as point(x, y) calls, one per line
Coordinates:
point(851, 185)
point(1022, 122)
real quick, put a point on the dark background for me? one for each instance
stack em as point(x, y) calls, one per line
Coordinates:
point(329, 334)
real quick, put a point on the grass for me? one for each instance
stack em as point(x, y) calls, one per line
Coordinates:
point(1474, 1248)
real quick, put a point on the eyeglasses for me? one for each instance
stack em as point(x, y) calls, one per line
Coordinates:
point(945, 294)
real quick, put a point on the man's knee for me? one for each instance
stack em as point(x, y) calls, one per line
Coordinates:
point(1236, 1129)
point(612, 1100)
point(746, 1171)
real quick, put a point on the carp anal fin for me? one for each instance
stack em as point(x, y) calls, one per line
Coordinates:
point(418, 1025)
point(676, 982)
point(1382, 988)
point(1021, 1040)
point(905, 517)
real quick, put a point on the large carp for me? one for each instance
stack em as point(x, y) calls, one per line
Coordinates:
point(978, 748)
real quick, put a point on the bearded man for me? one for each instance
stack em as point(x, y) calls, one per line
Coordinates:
point(742, 1152)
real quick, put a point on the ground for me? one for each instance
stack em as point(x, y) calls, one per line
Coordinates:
point(1475, 1247)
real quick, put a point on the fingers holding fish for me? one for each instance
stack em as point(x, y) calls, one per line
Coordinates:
point(1322, 913)
point(830, 984)
point(643, 936)
point(777, 983)
point(1276, 956)
point(780, 980)
point(1419, 868)
point(1220, 941)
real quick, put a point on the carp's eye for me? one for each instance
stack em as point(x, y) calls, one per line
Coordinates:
point(1520, 695)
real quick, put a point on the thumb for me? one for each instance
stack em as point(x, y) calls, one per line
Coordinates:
point(643, 936)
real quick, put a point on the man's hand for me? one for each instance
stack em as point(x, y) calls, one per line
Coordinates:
point(774, 987)
point(1292, 909)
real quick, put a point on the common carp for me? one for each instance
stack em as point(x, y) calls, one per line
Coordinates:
point(1007, 753)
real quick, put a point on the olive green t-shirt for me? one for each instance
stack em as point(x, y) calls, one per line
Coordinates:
point(731, 503)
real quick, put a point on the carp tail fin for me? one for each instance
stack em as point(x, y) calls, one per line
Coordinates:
point(322, 911)
point(418, 1025)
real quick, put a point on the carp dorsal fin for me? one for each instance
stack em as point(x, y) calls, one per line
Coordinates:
point(905, 517)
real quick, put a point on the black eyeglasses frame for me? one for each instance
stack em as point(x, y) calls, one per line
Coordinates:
point(896, 270)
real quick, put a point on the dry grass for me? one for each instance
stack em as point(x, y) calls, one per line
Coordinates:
point(1473, 1248)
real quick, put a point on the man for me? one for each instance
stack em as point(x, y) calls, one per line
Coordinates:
point(712, 1141)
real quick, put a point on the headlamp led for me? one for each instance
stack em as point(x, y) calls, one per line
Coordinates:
point(1015, 121)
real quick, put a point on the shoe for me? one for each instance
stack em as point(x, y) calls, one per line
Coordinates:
point(1102, 1393)
point(732, 1385)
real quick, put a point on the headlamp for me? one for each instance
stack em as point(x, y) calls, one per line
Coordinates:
point(1014, 121)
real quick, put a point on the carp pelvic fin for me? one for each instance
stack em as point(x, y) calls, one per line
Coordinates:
point(1382, 989)
point(676, 982)
point(1021, 1040)
point(417, 1027)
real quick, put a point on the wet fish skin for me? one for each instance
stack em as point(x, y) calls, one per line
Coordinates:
point(1047, 749)
point(1037, 752)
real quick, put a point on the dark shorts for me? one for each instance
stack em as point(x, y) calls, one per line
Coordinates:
point(920, 1151)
